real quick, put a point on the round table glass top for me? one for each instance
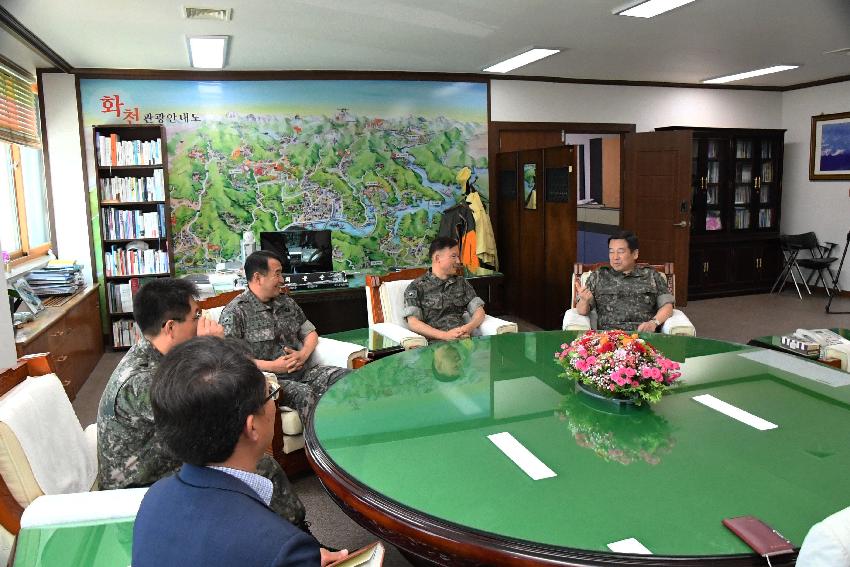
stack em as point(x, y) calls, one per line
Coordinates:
point(413, 428)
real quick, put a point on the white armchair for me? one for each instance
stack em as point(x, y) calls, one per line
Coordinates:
point(288, 439)
point(385, 310)
point(678, 324)
point(43, 447)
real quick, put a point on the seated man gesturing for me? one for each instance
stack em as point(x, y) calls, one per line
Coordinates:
point(440, 305)
point(625, 295)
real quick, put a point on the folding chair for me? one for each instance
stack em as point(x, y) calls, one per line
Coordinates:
point(818, 262)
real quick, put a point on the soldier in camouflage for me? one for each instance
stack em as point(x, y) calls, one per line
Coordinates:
point(624, 295)
point(129, 452)
point(440, 305)
point(279, 336)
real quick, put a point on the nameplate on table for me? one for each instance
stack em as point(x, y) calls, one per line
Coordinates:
point(630, 545)
point(521, 456)
point(734, 412)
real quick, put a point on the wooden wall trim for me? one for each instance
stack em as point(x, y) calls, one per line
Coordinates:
point(45, 153)
point(23, 33)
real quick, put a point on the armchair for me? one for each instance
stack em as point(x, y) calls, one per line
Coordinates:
point(384, 307)
point(678, 324)
point(288, 440)
point(43, 447)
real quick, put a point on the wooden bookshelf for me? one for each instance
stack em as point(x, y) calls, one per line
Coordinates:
point(735, 210)
point(131, 171)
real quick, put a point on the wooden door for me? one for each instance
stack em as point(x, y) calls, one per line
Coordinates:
point(537, 244)
point(560, 193)
point(657, 199)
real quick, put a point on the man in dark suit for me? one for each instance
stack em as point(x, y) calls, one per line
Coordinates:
point(215, 411)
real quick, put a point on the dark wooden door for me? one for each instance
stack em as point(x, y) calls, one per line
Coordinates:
point(560, 192)
point(537, 246)
point(657, 199)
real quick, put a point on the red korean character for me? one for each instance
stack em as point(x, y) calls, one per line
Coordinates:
point(131, 115)
point(112, 104)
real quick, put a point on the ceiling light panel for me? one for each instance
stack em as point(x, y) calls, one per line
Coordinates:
point(750, 74)
point(208, 51)
point(651, 8)
point(521, 60)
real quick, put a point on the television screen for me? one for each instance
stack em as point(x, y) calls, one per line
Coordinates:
point(302, 251)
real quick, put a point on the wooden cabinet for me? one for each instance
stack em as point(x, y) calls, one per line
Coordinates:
point(736, 189)
point(71, 334)
point(135, 217)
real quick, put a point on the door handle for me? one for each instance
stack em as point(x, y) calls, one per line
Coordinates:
point(681, 224)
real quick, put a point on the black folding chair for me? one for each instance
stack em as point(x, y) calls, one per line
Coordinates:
point(817, 261)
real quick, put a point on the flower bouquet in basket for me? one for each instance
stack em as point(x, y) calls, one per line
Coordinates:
point(617, 364)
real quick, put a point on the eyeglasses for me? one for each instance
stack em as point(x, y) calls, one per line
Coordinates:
point(274, 392)
point(194, 317)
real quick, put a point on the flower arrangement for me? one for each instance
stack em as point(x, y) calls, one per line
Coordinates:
point(625, 439)
point(618, 365)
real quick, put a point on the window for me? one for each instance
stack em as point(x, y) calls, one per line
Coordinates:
point(24, 226)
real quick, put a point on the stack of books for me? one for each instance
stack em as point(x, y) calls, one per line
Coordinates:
point(56, 278)
point(805, 347)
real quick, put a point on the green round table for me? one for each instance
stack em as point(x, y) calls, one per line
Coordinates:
point(402, 446)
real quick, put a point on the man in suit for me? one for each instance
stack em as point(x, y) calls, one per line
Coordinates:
point(215, 411)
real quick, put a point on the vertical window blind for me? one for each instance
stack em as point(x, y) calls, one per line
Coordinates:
point(18, 110)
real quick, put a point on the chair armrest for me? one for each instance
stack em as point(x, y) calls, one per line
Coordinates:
point(332, 352)
point(573, 321)
point(495, 326)
point(841, 352)
point(57, 509)
point(398, 334)
point(678, 324)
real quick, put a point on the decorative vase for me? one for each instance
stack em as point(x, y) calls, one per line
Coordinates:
point(614, 400)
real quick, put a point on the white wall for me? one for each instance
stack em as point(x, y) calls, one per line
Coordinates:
point(821, 206)
point(647, 107)
point(66, 169)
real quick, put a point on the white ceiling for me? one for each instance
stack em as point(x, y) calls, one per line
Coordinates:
point(705, 39)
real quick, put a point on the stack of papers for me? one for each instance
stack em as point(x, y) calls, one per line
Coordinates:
point(57, 278)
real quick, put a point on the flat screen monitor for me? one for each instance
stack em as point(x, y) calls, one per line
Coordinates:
point(302, 251)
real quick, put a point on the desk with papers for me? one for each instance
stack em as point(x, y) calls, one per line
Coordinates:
point(430, 462)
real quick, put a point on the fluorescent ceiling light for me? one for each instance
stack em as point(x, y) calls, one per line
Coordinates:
point(748, 74)
point(208, 51)
point(521, 60)
point(651, 8)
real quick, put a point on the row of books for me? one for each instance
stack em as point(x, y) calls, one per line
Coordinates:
point(111, 150)
point(744, 174)
point(765, 218)
point(125, 333)
point(120, 295)
point(742, 194)
point(131, 223)
point(121, 262)
point(56, 279)
point(133, 188)
point(742, 218)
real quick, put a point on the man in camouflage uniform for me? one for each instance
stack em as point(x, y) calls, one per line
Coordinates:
point(624, 295)
point(440, 305)
point(279, 336)
point(129, 453)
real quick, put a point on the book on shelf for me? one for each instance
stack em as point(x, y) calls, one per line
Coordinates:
point(126, 224)
point(125, 333)
point(133, 189)
point(113, 151)
point(121, 262)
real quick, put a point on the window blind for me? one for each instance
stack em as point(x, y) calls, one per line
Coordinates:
point(18, 111)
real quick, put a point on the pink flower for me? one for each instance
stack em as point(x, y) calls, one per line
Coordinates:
point(630, 372)
point(591, 360)
point(646, 372)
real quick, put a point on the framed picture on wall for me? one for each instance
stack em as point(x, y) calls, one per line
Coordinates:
point(829, 153)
